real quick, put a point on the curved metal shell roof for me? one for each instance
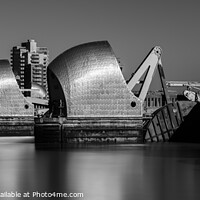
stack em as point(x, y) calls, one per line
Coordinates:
point(91, 82)
point(12, 101)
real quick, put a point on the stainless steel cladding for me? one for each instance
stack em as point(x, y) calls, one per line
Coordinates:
point(12, 101)
point(88, 80)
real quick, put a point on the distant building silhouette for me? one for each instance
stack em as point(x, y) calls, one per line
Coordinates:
point(155, 100)
point(29, 64)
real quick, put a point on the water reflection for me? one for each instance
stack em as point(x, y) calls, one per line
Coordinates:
point(115, 172)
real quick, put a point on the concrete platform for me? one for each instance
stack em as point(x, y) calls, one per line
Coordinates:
point(88, 130)
point(16, 126)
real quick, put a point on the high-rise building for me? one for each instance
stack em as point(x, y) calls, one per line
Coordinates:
point(29, 64)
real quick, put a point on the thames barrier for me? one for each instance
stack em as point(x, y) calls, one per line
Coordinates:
point(16, 113)
point(90, 101)
point(89, 94)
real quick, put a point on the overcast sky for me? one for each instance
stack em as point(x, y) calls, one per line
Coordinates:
point(131, 27)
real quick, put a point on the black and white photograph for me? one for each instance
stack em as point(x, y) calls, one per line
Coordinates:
point(99, 99)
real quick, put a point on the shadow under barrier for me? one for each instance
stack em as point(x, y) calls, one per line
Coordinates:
point(188, 131)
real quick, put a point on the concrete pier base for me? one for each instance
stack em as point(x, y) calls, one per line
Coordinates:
point(16, 126)
point(88, 130)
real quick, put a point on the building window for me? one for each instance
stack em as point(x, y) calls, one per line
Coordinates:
point(149, 102)
point(152, 99)
point(159, 102)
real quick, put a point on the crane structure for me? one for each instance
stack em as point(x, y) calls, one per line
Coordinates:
point(189, 94)
point(167, 119)
point(147, 69)
point(192, 84)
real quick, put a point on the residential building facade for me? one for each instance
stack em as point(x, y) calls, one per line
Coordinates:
point(29, 63)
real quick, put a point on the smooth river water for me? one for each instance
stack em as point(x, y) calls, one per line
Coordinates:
point(160, 171)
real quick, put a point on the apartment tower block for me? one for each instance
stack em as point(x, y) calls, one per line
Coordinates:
point(29, 64)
